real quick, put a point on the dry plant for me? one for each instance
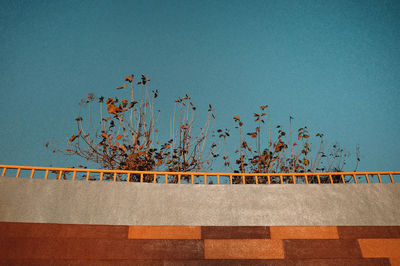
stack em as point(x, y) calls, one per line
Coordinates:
point(126, 136)
point(288, 154)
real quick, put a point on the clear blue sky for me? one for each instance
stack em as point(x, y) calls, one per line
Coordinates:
point(332, 65)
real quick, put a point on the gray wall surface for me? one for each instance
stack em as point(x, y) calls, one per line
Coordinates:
point(80, 202)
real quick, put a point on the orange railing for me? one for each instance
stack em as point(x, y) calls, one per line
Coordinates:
point(203, 178)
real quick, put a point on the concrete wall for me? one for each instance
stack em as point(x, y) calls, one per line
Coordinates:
point(80, 202)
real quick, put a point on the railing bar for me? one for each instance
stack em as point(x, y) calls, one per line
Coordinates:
point(380, 179)
point(61, 171)
point(74, 176)
point(151, 172)
point(141, 177)
point(366, 176)
point(391, 177)
point(18, 172)
point(166, 178)
point(355, 179)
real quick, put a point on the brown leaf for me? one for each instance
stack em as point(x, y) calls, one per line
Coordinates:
point(236, 118)
point(132, 104)
point(109, 100)
point(120, 87)
point(262, 107)
point(112, 109)
point(72, 138)
point(124, 102)
point(129, 79)
point(252, 134)
point(119, 137)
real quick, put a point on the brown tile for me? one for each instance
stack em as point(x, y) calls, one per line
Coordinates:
point(74, 248)
point(335, 262)
point(369, 232)
point(164, 232)
point(144, 262)
point(321, 249)
point(235, 232)
point(378, 248)
point(62, 230)
point(243, 249)
point(304, 232)
point(62, 262)
point(229, 262)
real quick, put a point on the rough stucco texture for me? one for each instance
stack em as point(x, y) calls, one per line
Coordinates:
point(80, 202)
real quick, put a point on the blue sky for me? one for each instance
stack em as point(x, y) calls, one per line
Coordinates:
point(332, 65)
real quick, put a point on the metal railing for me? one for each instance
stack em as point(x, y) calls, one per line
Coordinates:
point(201, 177)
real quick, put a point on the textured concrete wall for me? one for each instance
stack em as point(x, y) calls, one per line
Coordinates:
point(79, 202)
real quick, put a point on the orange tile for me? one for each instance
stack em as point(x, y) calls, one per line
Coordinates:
point(243, 249)
point(394, 261)
point(380, 248)
point(164, 232)
point(304, 232)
